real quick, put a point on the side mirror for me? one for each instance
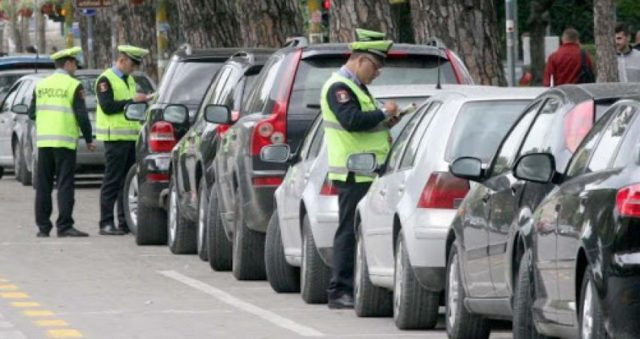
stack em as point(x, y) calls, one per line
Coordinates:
point(467, 168)
point(176, 114)
point(535, 167)
point(362, 163)
point(20, 109)
point(135, 111)
point(275, 153)
point(217, 114)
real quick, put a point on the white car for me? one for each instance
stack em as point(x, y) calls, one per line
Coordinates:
point(402, 222)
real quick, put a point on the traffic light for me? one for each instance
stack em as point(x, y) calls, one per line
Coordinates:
point(326, 6)
point(58, 13)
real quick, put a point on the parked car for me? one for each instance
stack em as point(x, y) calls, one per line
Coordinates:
point(181, 89)
point(402, 222)
point(280, 109)
point(485, 244)
point(191, 176)
point(579, 275)
point(299, 238)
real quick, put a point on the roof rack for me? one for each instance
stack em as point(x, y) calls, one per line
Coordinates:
point(186, 47)
point(243, 54)
point(298, 41)
point(435, 42)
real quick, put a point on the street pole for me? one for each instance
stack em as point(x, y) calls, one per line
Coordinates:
point(90, 41)
point(68, 23)
point(114, 35)
point(162, 36)
point(510, 27)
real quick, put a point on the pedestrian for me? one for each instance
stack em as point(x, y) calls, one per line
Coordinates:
point(637, 42)
point(628, 58)
point(59, 110)
point(353, 123)
point(569, 64)
point(115, 89)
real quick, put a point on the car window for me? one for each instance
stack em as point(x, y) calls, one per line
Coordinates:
point(629, 150)
point(481, 126)
point(403, 138)
point(611, 138)
point(8, 102)
point(538, 139)
point(21, 97)
point(316, 144)
point(409, 157)
point(308, 140)
point(7, 80)
point(579, 161)
point(186, 82)
point(143, 85)
point(260, 93)
point(507, 152)
point(415, 70)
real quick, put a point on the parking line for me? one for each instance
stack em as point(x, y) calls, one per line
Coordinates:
point(51, 323)
point(64, 333)
point(37, 313)
point(25, 304)
point(8, 287)
point(14, 295)
point(243, 305)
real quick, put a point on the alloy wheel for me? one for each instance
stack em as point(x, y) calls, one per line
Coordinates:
point(202, 209)
point(303, 270)
point(452, 291)
point(587, 312)
point(359, 267)
point(399, 271)
point(173, 217)
point(132, 196)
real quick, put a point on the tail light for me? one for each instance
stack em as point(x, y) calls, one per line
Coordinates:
point(459, 69)
point(157, 177)
point(577, 123)
point(443, 190)
point(162, 138)
point(273, 129)
point(328, 188)
point(267, 181)
point(628, 201)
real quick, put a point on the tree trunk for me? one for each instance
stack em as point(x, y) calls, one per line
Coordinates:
point(208, 24)
point(538, 22)
point(469, 28)
point(138, 28)
point(41, 31)
point(347, 15)
point(604, 23)
point(24, 30)
point(101, 55)
point(268, 23)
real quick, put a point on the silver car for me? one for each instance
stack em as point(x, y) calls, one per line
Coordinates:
point(402, 222)
point(302, 228)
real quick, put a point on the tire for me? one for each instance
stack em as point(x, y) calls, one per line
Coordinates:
point(461, 324)
point(130, 198)
point(151, 226)
point(590, 309)
point(370, 300)
point(282, 277)
point(524, 296)
point(182, 232)
point(414, 307)
point(219, 246)
point(201, 232)
point(248, 248)
point(315, 275)
point(24, 175)
point(2, 172)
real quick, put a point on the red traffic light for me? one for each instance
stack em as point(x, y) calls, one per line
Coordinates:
point(326, 4)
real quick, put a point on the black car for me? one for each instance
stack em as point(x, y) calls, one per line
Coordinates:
point(280, 109)
point(582, 247)
point(191, 159)
point(485, 245)
point(181, 89)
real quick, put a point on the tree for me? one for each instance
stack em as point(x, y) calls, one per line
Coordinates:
point(347, 15)
point(209, 24)
point(468, 27)
point(268, 23)
point(604, 24)
point(538, 22)
point(101, 38)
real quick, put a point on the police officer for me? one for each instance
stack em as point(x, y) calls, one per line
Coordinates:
point(353, 123)
point(116, 88)
point(58, 107)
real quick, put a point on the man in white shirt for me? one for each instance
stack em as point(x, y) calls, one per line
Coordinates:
point(628, 58)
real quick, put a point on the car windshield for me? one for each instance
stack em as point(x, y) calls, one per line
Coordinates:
point(186, 82)
point(480, 126)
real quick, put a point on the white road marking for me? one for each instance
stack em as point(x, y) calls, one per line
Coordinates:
point(243, 305)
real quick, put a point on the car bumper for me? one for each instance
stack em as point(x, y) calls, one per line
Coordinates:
point(153, 179)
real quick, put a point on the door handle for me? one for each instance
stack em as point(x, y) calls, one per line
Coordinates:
point(486, 197)
point(515, 187)
point(382, 192)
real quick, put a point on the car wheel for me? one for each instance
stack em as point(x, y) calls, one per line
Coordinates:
point(414, 307)
point(523, 326)
point(370, 300)
point(248, 248)
point(315, 274)
point(461, 324)
point(219, 246)
point(24, 175)
point(203, 203)
point(590, 315)
point(2, 172)
point(282, 277)
point(182, 232)
point(151, 225)
point(130, 197)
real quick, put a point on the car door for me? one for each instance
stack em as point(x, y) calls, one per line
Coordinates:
point(6, 126)
point(476, 216)
point(25, 93)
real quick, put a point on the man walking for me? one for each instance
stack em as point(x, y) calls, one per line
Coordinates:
point(58, 107)
point(569, 64)
point(115, 89)
point(628, 58)
point(353, 124)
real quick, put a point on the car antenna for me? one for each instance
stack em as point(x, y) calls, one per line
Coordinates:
point(37, 57)
point(438, 83)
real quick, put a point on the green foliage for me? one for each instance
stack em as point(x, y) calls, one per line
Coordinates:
point(628, 11)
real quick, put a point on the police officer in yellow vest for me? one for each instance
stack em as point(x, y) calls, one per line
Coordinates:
point(353, 123)
point(115, 89)
point(58, 107)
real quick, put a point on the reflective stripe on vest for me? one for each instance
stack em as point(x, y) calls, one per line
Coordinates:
point(342, 143)
point(114, 127)
point(56, 123)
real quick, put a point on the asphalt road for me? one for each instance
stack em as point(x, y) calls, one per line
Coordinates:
point(107, 287)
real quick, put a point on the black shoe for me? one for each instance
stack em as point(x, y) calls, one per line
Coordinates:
point(124, 228)
point(72, 232)
point(110, 230)
point(42, 234)
point(343, 302)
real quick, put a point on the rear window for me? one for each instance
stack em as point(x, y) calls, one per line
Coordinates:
point(7, 80)
point(186, 82)
point(481, 126)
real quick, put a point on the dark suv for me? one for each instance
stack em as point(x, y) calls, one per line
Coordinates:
point(280, 109)
point(191, 159)
point(182, 87)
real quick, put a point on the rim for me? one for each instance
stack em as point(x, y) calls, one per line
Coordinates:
point(397, 286)
point(132, 197)
point(587, 312)
point(16, 158)
point(173, 224)
point(452, 291)
point(359, 268)
point(201, 225)
point(305, 257)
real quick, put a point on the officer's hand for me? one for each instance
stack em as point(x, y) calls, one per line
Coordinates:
point(391, 107)
point(393, 121)
point(140, 97)
point(91, 147)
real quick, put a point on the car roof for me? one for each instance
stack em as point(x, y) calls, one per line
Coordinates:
point(257, 56)
point(186, 54)
point(599, 91)
point(468, 92)
point(343, 48)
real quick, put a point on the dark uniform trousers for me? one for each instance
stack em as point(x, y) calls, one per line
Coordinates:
point(61, 164)
point(119, 157)
point(344, 242)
